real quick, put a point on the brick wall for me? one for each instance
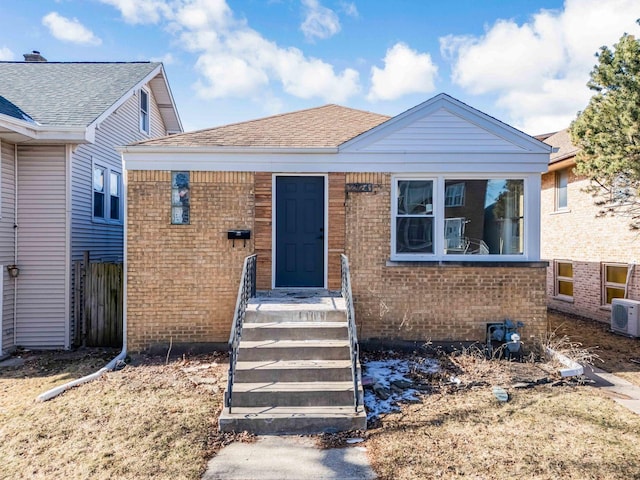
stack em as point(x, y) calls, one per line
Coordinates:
point(425, 301)
point(183, 279)
point(579, 235)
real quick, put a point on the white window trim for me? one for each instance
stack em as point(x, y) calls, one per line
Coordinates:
point(558, 278)
point(604, 284)
point(107, 195)
point(148, 112)
point(531, 251)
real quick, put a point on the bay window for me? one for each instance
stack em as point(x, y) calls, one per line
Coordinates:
point(440, 218)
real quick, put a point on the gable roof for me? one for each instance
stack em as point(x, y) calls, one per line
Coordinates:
point(563, 149)
point(444, 124)
point(78, 95)
point(326, 126)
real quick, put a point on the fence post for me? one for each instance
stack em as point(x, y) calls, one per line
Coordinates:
point(85, 296)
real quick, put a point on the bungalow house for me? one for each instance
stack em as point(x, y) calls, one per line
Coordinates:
point(437, 210)
point(592, 258)
point(61, 180)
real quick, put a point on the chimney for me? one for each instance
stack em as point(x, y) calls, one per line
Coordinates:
point(34, 57)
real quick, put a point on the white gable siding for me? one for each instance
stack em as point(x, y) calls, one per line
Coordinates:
point(441, 131)
point(7, 221)
point(41, 305)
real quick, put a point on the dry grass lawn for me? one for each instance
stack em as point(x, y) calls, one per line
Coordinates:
point(146, 421)
point(157, 421)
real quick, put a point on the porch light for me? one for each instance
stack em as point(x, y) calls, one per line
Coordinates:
point(13, 270)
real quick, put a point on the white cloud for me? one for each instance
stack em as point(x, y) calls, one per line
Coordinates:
point(538, 70)
point(141, 11)
point(6, 54)
point(236, 61)
point(405, 71)
point(166, 59)
point(350, 9)
point(319, 22)
point(69, 30)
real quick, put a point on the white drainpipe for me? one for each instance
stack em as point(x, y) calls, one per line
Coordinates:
point(54, 392)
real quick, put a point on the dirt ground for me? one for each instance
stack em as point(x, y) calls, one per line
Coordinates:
point(615, 353)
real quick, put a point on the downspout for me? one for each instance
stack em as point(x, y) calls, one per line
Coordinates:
point(15, 244)
point(54, 392)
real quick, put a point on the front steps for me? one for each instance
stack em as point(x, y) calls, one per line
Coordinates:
point(293, 374)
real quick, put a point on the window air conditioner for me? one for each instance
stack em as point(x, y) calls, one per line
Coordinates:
point(625, 317)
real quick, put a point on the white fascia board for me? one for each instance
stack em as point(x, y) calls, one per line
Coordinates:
point(322, 162)
point(39, 133)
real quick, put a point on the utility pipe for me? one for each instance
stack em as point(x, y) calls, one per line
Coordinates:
point(572, 369)
point(54, 392)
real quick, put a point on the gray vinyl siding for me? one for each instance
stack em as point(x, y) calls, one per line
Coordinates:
point(41, 321)
point(7, 221)
point(104, 239)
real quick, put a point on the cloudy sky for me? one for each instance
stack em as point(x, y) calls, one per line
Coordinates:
point(525, 62)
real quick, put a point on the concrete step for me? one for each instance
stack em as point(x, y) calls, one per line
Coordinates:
point(293, 394)
point(293, 371)
point(250, 351)
point(292, 420)
point(295, 331)
point(284, 309)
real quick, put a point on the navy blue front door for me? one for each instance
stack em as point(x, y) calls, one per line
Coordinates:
point(299, 231)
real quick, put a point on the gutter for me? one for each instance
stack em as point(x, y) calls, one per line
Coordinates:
point(113, 364)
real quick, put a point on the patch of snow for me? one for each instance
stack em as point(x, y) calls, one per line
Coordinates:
point(383, 373)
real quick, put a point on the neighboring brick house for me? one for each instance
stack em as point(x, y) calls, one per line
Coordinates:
point(591, 257)
point(437, 209)
point(61, 180)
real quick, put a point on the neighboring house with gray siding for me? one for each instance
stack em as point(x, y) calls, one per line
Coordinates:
point(61, 180)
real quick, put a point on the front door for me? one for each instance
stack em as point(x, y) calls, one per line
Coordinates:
point(299, 231)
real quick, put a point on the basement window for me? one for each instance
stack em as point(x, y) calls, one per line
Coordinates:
point(614, 279)
point(564, 278)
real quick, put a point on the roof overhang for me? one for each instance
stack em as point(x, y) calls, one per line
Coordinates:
point(323, 160)
point(21, 131)
point(562, 164)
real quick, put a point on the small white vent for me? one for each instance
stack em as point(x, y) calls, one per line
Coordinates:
point(625, 316)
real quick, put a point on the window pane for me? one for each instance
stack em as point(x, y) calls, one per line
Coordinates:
point(98, 204)
point(616, 274)
point(115, 208)
point(565, 288)
point(565, 270)
point(415, 197)
point(180, 197)
point(489, 221)
point(414, 235)
point(562, 179)
point(614, 293)
point(98, 179)
point(114, 184)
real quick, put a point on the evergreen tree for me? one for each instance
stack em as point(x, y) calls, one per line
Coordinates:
point(608, 131)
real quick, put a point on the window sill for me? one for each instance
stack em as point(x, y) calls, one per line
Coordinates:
point(606, 308)
point(103, 221)
point(561, 211)
point(462, 263)
point(562, 298)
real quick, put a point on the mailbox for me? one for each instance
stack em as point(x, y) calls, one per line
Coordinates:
point(243, 235)
point(239, 234)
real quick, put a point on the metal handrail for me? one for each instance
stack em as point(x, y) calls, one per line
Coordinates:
point(351, 323)
point(246, 290)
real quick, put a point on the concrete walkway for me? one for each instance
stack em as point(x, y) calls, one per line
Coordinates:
point(288, 458)
point(619, 389)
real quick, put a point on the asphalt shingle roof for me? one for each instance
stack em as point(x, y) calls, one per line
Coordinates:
point(8, 108)
point(68, 93)
point(562, 141)
point(326, 126)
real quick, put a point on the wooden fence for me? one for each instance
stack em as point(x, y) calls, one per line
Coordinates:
point(97, 303)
